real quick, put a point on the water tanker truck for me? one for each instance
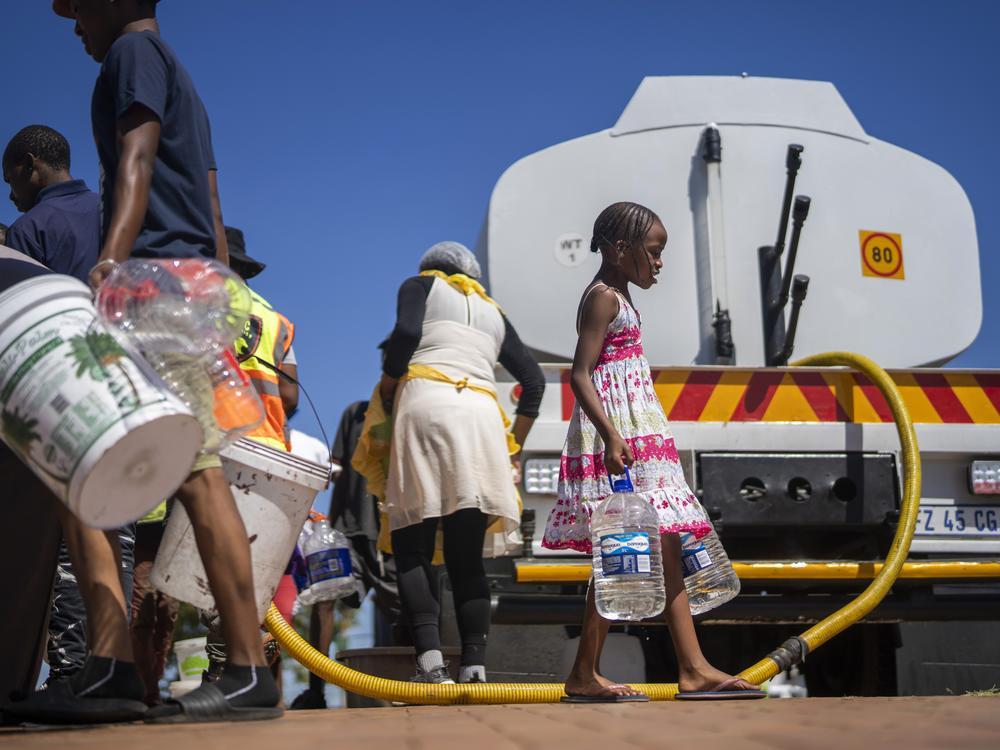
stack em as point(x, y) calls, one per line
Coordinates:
point(769, 189)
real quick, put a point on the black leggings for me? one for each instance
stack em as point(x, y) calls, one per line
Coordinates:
point(413, 549)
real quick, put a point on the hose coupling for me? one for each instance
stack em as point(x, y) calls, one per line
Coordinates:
point(791, 652)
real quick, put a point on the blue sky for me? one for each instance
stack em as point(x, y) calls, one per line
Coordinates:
point(351, 136)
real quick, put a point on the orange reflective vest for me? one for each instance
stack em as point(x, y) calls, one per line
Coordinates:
point(267, 337)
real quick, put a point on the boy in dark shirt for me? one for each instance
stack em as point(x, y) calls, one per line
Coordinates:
point(61, 224)
point(160, 199)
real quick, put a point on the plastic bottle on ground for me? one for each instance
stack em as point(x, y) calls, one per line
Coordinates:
point(328, 558)
point(708, 575)
point(628, 568)
point(788, 684)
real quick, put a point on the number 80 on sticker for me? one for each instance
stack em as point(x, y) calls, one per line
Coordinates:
point(881, 255)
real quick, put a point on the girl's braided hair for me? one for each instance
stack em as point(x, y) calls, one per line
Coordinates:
point(625, 221)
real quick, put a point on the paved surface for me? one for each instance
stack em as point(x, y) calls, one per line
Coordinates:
point(807, 724)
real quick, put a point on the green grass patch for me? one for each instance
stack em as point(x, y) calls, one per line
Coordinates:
point(983, 693)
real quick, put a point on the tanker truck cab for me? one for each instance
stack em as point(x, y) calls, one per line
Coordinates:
point(771, 189)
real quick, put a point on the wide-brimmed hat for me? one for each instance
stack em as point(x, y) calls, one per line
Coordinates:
point(238, 254)
point(64, 8)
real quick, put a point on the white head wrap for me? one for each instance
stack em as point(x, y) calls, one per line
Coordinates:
point(450, 257)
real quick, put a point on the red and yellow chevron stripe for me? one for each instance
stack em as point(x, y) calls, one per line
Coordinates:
point(713, 394)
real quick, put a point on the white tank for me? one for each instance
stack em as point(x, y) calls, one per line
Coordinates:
point(867, 196)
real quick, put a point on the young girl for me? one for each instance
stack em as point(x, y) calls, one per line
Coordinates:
point(618, 422)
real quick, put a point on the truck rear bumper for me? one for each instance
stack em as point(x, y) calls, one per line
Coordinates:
point(778, 592)
point(549, 571)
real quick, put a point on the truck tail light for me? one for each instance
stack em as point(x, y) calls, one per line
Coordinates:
point(984, 477)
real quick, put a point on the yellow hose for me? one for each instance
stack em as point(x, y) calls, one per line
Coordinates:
point(495, 692)
point(843, 618)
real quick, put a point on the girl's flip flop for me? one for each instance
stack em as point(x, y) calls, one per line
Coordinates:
point(724, 691)
point(605, 698)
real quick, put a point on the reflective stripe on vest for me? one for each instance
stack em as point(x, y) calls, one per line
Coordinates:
point(267, 337)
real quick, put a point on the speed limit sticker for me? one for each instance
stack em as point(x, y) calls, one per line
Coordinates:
point(881, 254)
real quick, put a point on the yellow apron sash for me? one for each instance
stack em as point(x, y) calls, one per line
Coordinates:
point(371, 457)
point(427, 372)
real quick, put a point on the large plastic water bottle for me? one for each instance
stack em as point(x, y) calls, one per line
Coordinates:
point(628, 568)
point(328, 557)
point(708, 575)
point(302, 582)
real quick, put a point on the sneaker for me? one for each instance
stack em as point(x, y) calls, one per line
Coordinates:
point(308, 699)
point(474, 674)
point(436, 676)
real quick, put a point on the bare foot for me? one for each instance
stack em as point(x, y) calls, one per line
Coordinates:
point(594, 685)
point(708, 677)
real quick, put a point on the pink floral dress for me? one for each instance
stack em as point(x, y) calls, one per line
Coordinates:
point(625, 387)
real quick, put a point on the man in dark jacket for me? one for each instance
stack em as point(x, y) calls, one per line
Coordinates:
point(61, 225)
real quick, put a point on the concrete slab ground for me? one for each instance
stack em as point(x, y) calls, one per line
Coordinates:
point(964, 722)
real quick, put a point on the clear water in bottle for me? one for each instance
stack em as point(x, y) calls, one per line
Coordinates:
point(628, 567)
point(328, 558)
point(708, 575)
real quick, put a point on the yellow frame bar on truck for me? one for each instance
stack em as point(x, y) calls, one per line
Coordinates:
point(579, 572)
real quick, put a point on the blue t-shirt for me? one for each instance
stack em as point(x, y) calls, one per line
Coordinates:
point(141, 69)
point(62, 230)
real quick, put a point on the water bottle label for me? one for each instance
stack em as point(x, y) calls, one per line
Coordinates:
point(329, 563)
point(695, 558)
point(625, 553)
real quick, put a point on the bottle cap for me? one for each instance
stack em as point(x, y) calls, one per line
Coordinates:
point(623, 484)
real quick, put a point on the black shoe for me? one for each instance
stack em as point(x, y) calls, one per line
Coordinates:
point(436, 676)
point(308, 700)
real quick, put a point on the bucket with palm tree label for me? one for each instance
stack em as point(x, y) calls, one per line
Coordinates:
point(90, 418)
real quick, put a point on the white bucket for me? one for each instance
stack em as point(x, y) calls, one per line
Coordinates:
point(89, 417)
point(183, 687)
point(192, 659)
point(274, 491)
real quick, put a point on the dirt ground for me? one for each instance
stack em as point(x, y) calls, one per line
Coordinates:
point(808, 724)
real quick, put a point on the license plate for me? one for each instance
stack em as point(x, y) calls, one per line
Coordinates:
point(959, 520)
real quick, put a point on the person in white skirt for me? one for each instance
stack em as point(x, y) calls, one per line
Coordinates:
point(450, 466)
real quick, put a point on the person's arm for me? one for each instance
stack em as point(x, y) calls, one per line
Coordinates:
point(288, 364)
point(338, 499)
point(138, 79)
point(599, 311)
point(138, 140)
point(289, 389)
point(221, 245)
point(519, 363)
point(411, 303)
